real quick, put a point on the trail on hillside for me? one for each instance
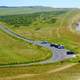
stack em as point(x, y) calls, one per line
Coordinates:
point(48, 72)
point(61, 23)
point(62, 68)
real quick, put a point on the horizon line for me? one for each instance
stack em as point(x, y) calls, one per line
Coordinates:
point(36, 6)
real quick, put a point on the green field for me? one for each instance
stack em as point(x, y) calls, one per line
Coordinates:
point(53, 26)
point(5, 10)
point(15, 51)
point(72, 73)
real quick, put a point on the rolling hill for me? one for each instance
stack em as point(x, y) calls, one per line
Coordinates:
point(5, 10)
point(48, 24)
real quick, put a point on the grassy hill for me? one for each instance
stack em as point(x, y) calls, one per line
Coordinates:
point(5, 10)
point(53, 26)
point(13, 51)
point(34, 18)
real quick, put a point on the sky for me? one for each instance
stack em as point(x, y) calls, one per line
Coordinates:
point(50, 3)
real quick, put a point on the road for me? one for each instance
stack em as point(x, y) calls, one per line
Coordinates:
point(57, 54)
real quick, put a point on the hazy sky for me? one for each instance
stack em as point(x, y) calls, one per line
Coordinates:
point(52, 3)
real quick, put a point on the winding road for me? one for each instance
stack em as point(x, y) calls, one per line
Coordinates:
point(57, 54)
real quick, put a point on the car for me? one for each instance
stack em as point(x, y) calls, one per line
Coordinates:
point(57, 46)
point(60, 47)
point(54, 45)
point(70, 53)
point(44, 42)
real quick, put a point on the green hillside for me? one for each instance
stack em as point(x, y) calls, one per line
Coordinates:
point(35, 18)
point(4, 10)
point(14, 51)
point(51, 26)
point(54, 26)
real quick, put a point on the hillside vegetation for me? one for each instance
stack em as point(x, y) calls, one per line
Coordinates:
point(14, 51)
point(50, 26)
point(5, 10)
point(54, 26)
point(28, 19)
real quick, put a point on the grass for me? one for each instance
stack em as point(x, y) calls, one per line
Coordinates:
point(15, 51)
point(49, 32)
point(72, 73)
point(58, 33)
point(23, 10)
point(34, 69)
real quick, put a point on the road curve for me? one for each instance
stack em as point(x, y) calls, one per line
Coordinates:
point(57, 54)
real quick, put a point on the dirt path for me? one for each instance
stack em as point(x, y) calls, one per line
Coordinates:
point(61, 23)
point(62, 68)
point(31, 75)
point(18, 76)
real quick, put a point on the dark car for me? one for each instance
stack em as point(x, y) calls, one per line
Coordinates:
point(61, 47)
point(70, 53)
point(57, 46)
point(54, 45)
point(44, 42)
